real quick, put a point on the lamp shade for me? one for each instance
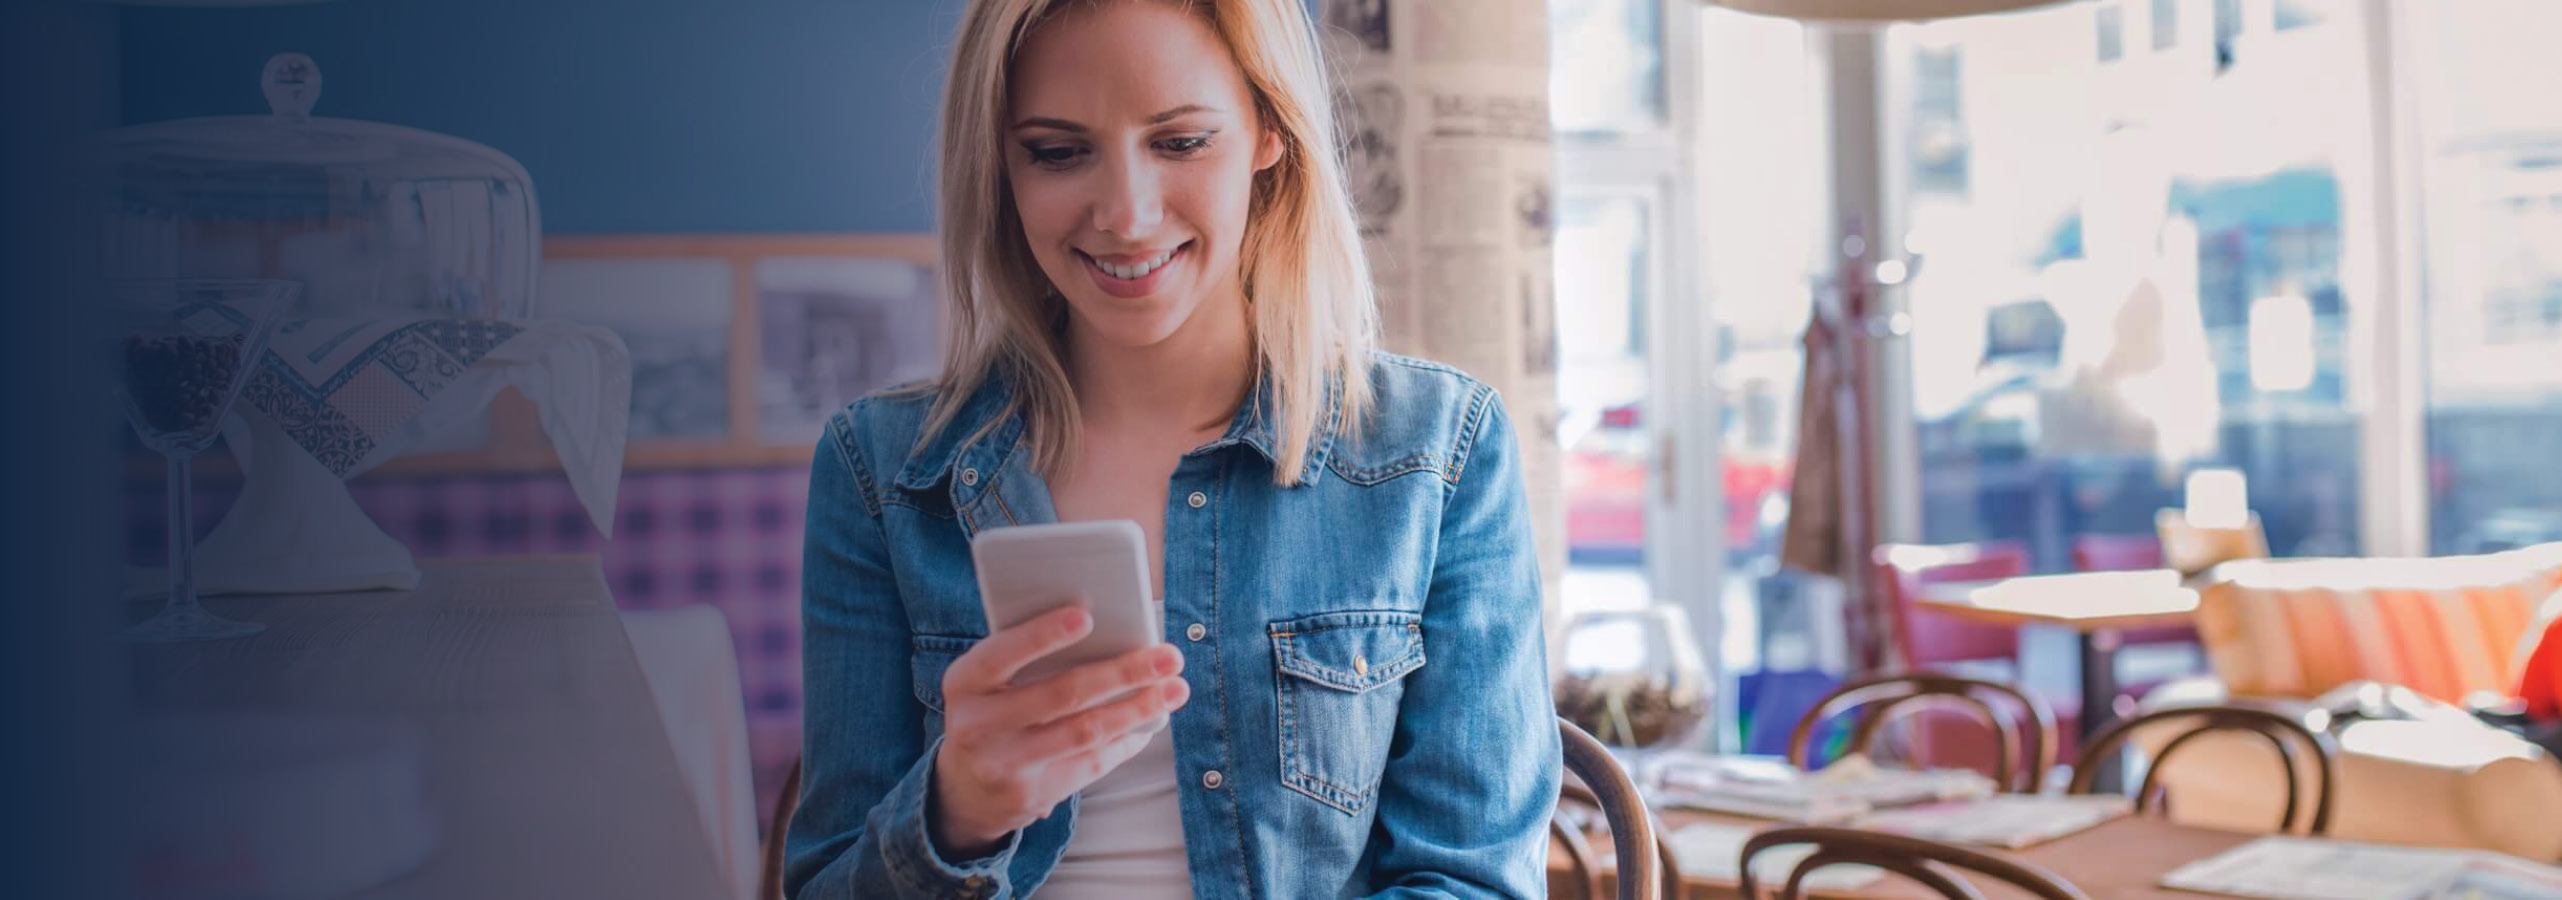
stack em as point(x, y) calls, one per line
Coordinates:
point(1874, 10)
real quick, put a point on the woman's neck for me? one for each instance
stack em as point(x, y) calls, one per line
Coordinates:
point(1192, 380)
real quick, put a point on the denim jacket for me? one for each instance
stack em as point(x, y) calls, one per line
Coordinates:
point(1369, 713)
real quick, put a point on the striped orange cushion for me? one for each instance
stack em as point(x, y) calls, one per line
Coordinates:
point(2447, 628)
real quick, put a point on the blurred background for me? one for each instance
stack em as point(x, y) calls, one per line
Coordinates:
point(2086, 252)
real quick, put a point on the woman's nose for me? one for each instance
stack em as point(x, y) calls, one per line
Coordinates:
point(1131, 201)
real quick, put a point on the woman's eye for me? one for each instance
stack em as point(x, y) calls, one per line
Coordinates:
point(1053, 157)
point(1184, 146)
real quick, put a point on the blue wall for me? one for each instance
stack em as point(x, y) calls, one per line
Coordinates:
point(634, 116)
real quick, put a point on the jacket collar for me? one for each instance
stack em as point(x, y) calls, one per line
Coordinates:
point(984, 435)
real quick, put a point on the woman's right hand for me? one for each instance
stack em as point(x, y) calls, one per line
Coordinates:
point(1010, 752)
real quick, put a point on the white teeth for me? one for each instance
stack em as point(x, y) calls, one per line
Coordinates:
point(1139, 270)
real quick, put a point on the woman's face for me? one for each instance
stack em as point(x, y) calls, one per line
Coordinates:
point(1132, 154)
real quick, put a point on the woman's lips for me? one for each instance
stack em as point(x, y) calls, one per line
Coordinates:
point(1133, 288)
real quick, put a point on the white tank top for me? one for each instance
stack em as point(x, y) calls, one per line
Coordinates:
point(1128, 840)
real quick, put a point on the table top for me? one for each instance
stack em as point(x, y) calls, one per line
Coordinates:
point(2082, 601)
point(544, 761)
point(2118, 860)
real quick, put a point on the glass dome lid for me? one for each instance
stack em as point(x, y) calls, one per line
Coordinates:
point(375, 218)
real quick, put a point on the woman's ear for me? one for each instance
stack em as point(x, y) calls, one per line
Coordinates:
point(1268, 150)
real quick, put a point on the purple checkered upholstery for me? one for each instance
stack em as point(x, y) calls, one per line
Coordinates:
point(727, 537)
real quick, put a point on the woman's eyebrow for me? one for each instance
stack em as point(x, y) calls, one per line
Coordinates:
point(1072, 127)
point(1179, 111)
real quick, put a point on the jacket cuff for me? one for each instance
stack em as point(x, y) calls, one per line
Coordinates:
point(907, 848)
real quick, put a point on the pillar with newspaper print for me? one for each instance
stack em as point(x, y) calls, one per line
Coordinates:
point(1445, 122)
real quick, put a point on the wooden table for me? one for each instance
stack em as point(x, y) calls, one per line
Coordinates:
point(2097, 606)
point(545, 764)
point(2119, 860)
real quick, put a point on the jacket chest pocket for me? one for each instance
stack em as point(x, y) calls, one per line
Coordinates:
point(1339, 679)
point(929, 655)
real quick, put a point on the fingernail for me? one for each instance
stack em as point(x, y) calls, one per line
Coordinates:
point(1073, 622)
point(1176, 691)
point(1167, 661)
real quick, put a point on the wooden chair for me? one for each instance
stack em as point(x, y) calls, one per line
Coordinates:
point(2033, 738)
point(1642, 854)
point(769, 864)
point(2193, 549)
point(1577, 810)
point(1927, 638)
point(1930, 863)
point(2282, 731)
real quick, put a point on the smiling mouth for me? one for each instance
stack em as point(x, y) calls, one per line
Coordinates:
point(1132, 277)
point(1129, 269)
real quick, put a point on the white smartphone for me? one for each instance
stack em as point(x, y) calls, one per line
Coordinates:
point(1027, 570)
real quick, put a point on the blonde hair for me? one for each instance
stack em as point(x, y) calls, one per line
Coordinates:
point(1309, 299)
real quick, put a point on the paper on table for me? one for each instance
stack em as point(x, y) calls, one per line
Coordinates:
point(2009, 821)
point(1842, 792)
point(2501, 879)
point(1713, 851)
point(2296, 868)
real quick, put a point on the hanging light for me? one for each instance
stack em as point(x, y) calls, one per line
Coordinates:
point(1874, 10)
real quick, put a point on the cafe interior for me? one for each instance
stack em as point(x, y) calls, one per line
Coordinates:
point(1980, 448)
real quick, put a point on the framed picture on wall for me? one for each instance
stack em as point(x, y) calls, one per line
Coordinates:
point(674, 313)
point(835, 328)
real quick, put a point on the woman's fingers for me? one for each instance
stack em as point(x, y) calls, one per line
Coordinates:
point(991, 664)
point(1141, 713)
point(1088, 686)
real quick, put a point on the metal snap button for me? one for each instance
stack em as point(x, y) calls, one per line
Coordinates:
point(1198, 500)
point(1212, 779)
point(1196, 631)
point(970, 477)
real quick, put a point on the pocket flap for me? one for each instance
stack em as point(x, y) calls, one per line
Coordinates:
point(932, 654)
point(1350, 651)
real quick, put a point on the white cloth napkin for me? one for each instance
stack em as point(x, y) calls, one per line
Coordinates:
point(336, 398)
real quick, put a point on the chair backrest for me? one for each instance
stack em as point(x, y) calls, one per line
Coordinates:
point(1577, 807)
point(1931, 863)
point(2027, 745)
point(1926, 637)
point(1632, 828)
point(769, 864)
point(2282, 731)
point(2193, 549)
point(2116, 552)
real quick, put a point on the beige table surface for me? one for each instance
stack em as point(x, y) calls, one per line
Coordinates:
point(2082, 601)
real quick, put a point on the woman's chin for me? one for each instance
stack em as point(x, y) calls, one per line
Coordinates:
point(1130, 328)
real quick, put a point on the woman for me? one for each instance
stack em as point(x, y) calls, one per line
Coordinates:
point(1160, 312)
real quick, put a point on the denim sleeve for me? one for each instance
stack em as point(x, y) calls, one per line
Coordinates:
point(1473, 770)
point(866, 766)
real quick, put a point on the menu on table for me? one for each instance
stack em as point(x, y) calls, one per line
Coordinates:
point(2294, 868)
point(1768, 788)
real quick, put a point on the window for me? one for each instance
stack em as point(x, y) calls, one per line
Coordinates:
point(1616, 164)
point(2138, 275)
point(2112, 32)
point(2228, 28)
point(2491, 185)
point(1608, 74)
